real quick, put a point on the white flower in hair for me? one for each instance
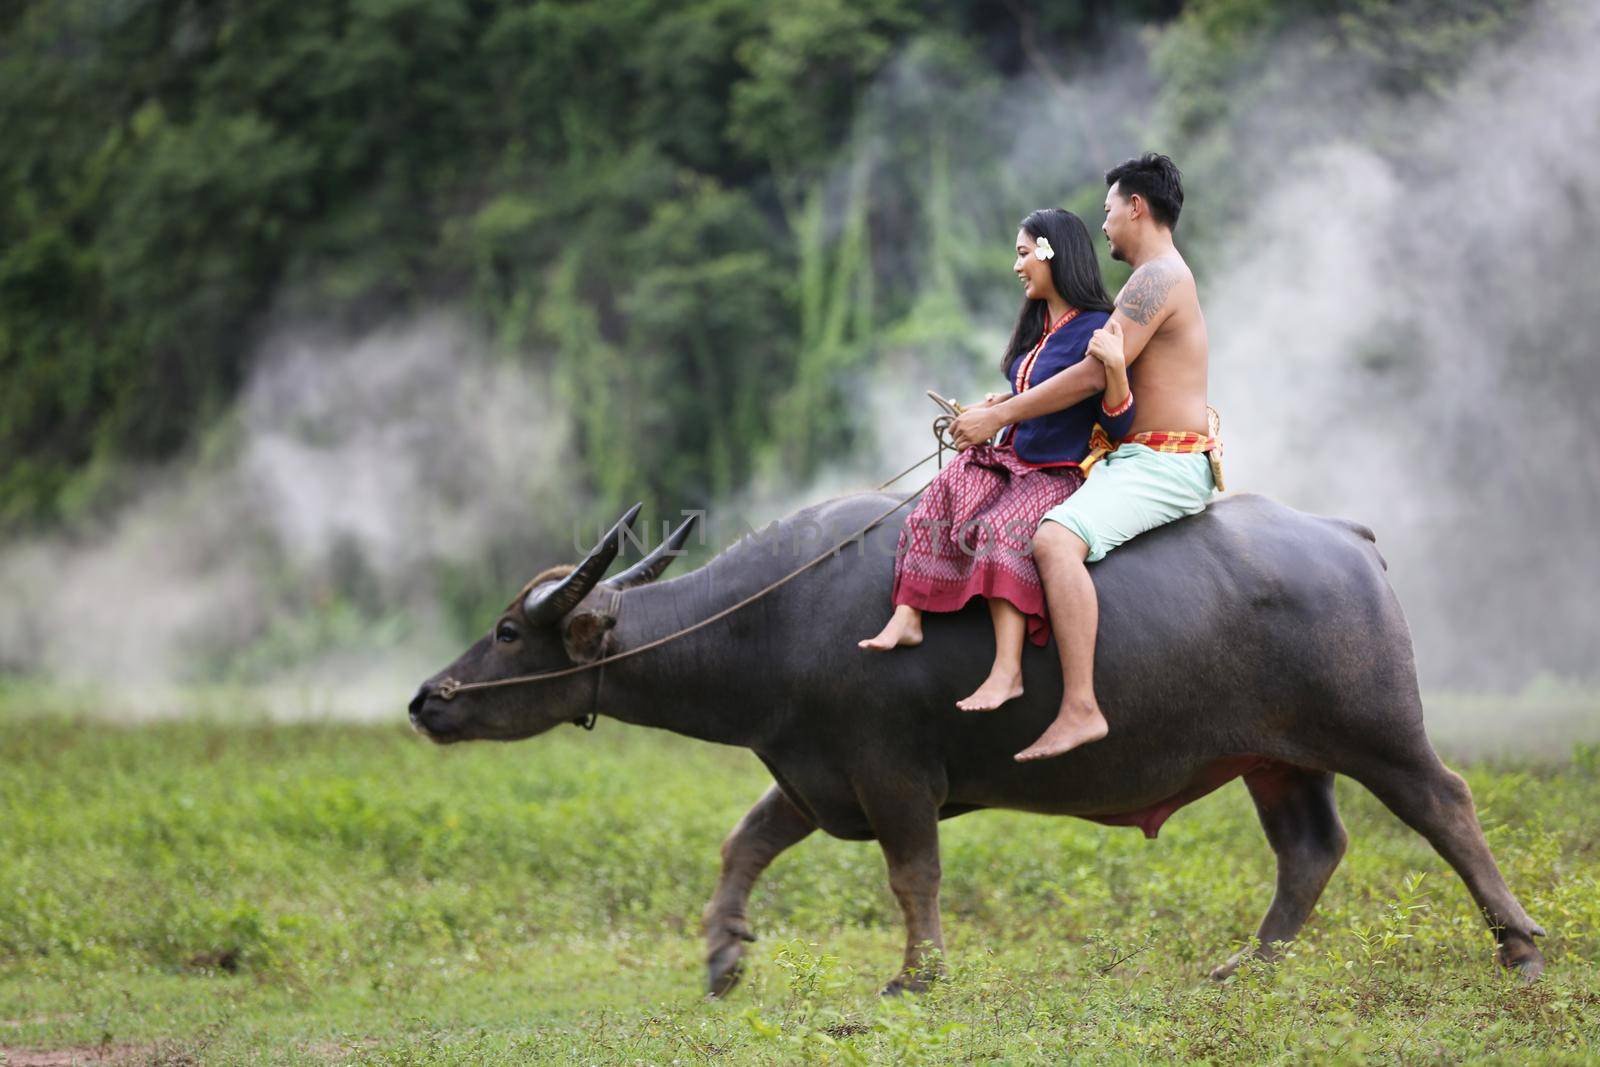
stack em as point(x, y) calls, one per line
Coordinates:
point(1043, 250)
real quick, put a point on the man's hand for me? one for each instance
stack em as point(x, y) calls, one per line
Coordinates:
point(1106, 345)
point(975, 426)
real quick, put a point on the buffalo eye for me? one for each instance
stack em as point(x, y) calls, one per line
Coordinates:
point(506, 633)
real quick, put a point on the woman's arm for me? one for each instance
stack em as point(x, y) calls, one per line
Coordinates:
point(1116, 404)
point(1106, 347)
point(1116, 419)
point(1056, 393)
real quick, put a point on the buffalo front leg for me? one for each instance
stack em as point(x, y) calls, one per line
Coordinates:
point(910, 844)
point(1301, 821)
point(767, 829)
point(1435, 801)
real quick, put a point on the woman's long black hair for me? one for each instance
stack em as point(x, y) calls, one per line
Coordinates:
point(1075, 272)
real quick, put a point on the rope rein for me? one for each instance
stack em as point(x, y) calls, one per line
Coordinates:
point(449, 687)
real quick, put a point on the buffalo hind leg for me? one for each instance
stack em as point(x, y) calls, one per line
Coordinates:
point(1298, 813)
point(773, 825)
point(1435, 801)
point(909, 836)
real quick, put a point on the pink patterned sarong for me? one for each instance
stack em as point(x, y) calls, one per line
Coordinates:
point(971, 535)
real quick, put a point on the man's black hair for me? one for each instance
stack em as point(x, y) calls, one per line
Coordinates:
point(1155, 178)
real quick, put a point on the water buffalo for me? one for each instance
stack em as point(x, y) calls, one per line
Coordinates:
point(1249, 641)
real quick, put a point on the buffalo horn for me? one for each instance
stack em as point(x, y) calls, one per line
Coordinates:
point(650, 568)
point(550, 605)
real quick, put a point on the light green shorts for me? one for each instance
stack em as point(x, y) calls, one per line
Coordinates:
point(1132, 490)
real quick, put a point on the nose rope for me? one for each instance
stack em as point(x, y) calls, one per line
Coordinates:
point(449, 687)
point(614, 610)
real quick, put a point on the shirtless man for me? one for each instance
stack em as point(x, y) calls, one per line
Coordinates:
point(1159, 472)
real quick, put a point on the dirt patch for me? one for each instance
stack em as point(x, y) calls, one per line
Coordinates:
point(65, 1057)
point(331, 1050)
point(164, 1054)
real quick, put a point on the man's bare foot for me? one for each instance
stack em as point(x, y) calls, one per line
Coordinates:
point(903, 630)
point(999, 687)
point(1075, 724)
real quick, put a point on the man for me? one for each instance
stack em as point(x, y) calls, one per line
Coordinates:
point(1159, 472)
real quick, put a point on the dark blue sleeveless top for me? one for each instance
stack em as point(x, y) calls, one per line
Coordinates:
point(1061, 438)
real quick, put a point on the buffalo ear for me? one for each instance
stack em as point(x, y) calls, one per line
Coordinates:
point(584, 634)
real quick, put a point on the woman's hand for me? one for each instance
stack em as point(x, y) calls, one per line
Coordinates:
point(975, 426)
point(1106, 346)
point(989, 400)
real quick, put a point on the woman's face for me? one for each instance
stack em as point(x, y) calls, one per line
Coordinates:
point(1034, 272)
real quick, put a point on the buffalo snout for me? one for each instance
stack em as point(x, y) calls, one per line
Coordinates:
point(433, 722)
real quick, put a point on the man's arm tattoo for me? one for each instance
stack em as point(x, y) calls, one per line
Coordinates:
point(1147, 290)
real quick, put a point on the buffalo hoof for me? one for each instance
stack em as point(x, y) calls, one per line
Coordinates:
point(1224, 971)
point(1259, 953)
point(906, 983)
point(725, 960)
point(1519, 954)
point(915, 981)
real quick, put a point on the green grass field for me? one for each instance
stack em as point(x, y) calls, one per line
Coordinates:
point(217, 893)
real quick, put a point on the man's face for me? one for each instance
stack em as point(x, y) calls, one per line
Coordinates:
point(1118, 225)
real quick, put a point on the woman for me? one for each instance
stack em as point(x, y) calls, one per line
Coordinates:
point(971, 533)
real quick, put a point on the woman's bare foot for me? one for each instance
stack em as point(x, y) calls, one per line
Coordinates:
point(1077, 723)
point(903, 630)
point(1002, 685)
